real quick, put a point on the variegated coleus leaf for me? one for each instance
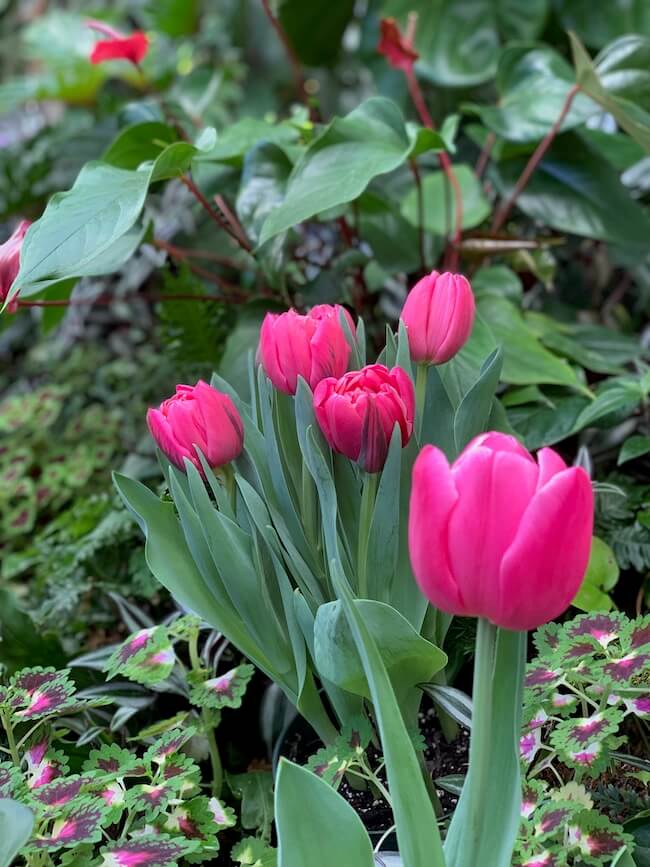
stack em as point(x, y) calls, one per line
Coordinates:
point(146, 657)
point(171, 742)
point(151, 851)
point(630, 669)
point(551, 818)
point(9, 779)
point(636, 635)
point(80, 824)
point(331, 763)
point(35, 693)
point(585, 743)
point(114, 761)
point(194, 820)
point(603, 627)
point(639, 705)
point(547, 639)
point(253, 852)
point(186, 772)
point(542, 678)
point(596, 838)
point(543, 858)
point(62, 792)
point(534, 792)
point(184, 627)
point(44, 764)
point(225, 690)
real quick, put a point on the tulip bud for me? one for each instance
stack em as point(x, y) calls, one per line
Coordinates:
point(439, 315)
point(358, 412)
point(312, 346)
point(10, 263)
point(499, 535)
point(197, 417)
point(118, 46)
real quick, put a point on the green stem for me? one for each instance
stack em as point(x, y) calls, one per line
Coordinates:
point(208, 726)
point(368, 497)
point(421, 373)
point(11, 740)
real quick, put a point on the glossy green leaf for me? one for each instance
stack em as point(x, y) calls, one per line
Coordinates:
point(340, 163)
point(541, 425)
point(138, 143)
point(439, 205)
point(601, 577)
point(613, 402)
point(408, 658)
point(237, 139)
point(417, 829)
point(633, 447)
point(316, 825)
point(615, 18)
point(315, 29)
point(533, 82)
point(16, 823)
point(574, 190)
point(497, 280)
point(474, 410)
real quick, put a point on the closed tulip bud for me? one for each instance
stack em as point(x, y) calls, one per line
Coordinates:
point(358, 412)
point(117, 46)
point(10, 263)
point(439, 315)
point(500, 535)
point(197, 417)
point(313, 346)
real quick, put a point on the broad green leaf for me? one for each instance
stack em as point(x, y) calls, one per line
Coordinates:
point(417, 829)
point(522, 20)
point(557, 336)
point(174, 17)
point(633, 447)
point(340, 163)
point(80, 230)
point(600, 578)
point(474, 410)
point(533, 82)
point(408, 658)
point(316, 825)
point(497, 280)
point(574, 190)
point(624, 68)
point(616, 400)
point(262, 186)
point(22, 644)
point(394, 240)
point(614, 18)
point(315, 29)
point(541, 425)
point(425, 139)
point(237, 139)
point(16, 823)
point(439, 204)
point(138, 143)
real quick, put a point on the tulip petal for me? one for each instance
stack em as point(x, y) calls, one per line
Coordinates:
point(345, 421)
point(543, 568)
point(550, 464)
point(433, 498)
point(497, 442)
point(494, 490)
point(268, 351)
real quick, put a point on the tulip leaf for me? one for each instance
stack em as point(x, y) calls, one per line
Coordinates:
point(473, 413)
point(340, 163)
point(316, 825)
point(408, 658)
point(439, 205)
point(383, 543)
point(417, 829)
point(16, 823)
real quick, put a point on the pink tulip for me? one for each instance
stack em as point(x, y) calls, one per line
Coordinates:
point(358, 412)
point(197, 417)
point(499, 535)
point(10, 263)
point(312, 346)
point(439, 315)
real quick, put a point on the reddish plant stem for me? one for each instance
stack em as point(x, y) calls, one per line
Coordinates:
point(502, 213)
point(296, 66)
point(214, 215)
point(484, 156)
point(418, 186)
point(231, 218)
point(142, 296)
point(452, 253)
point(187, 253)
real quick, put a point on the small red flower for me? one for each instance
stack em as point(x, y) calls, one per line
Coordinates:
point(118, 47)
point(396, 48)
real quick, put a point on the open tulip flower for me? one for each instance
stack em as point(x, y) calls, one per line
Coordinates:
point(10, 263)
point(197, 417)
point(358, 412)
point(499, 535)
point(117, 46)
point(313, 346)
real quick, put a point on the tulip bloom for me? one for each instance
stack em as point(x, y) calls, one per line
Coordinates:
point(10, 263)
point(197, 417)
point(312, 346)
point(499, 535)
point(439, 315)
point(358, 412)
point(118, 47)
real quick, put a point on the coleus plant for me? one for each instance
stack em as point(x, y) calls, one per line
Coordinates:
point(122, 808)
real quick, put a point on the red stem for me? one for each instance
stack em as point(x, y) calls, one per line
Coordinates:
point(214, 215)
point(230, 217)
point(502, 213)
point(187, 253)
point(452, 253)
point(418, 185)
point(484, 156)
point(296, 66)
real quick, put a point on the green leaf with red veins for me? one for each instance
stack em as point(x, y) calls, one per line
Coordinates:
point(596, 838)
point(114, 761)
point(638, 705)
point(629, 669)
point(152, 799)
point(146, 657)
point(152, 851)
point(563, 702)
point(194, 820)
point(225, 690)
point(60, 793)
point(533, 794)
point(222, 816)
point(542, 677)
point(35, 693)
point(184, 627)
point(603, 627)
point(636, 635)
point(547, 638)
point(9, 779)
point(171, 742)
point(584, 741)
point(44, 764)
point(551, 818)
point(81, 824)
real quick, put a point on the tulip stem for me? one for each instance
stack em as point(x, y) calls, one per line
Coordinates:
point(368, 496)
point(421, 378)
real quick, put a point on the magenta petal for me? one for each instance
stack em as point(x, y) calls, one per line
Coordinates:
point(433, 498)
point(550, 464)
point(544, 567)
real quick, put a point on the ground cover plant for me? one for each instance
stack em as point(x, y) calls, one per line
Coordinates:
point(324, 433)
